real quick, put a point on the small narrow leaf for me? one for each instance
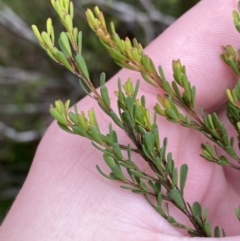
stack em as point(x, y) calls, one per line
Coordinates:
point(148, 140)
point(81, 64)
point(105, 95)
point(68, 22)
point(95, 134)
point(118, 173)
point(171, 220)
point(103, 174)
point(143, 186)
point(65, 45)
point(159, 199)
point(197, 210)
point(160, 211)
point(217, 232)
point(183, 177)
point(117, 150)
point(174, 178)
point(62, 58)
point(207, 228)
point(176, 197)
point(139, 174)
point(80, 42)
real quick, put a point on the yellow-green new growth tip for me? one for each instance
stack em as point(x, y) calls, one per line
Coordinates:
point(65, 45)
point(38, 35)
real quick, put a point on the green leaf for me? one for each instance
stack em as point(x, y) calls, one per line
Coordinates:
point(230, 150)
point(138, 174)
point(117, 150)
point(109, 161)
point(146, 153)
point(103, 174)
point(138, 191)
point(58, 9)
point(146, 62)
point(125, 65)
point(130, 105)
point(116, 55)
point(152, 185)
point(237, 212)
point(223, 161)
point(147, 79)
point(156, 137)
point(207, 228)
point(65, 128)
point(38, 35)
point(114, 167)
point(75, 36)
point(205, 214)
point(158, 186)
point(65, 45)
point(116, 119)
point(98, 147)
point(158, 163)
point(223, 233)
point(136, 55)
point(80, 42)
point(105, 95)
point(93, 130)
point(81, 64)
point(143, 186)
point(183, 177)
point(172, 115)
point(175, 196)
point(47, 40)
point(233, 65)
point(217, 232)
point(159, 110)
point(127, 188)
point(118, 173)
point(148, 142)
point(73, 117)
point(161, 73)
point(167, 87)
point(176, 90)
point(68, 23)
point(114, 178)
point(235, 17)
point(197, 210)
point(118, 42)
point(71, 9)
point(58, 116)
point(199, 221)
point(160, 211)
point(170, 164)
point(159, 199)
point(171, 220)
point(113, 134)
point(80, 131)
point(128, 125)
point(84, 88)
point(174, 178)
point(62, 58)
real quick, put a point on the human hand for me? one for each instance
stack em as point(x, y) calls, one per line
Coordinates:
point(65, 198)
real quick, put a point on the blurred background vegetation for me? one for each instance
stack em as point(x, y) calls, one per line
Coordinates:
point(30, 81)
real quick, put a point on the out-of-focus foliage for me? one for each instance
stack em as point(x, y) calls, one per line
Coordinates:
point(30, 81)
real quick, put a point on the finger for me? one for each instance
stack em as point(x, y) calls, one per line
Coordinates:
point(196, 39)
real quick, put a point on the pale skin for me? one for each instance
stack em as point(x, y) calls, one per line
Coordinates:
point(65, 198)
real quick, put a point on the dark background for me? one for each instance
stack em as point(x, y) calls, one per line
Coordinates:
point(30, 81)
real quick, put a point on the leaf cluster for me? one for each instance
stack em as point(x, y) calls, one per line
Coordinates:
point(165, 187)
